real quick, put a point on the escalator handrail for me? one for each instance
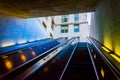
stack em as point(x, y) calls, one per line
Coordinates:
point(10, 49)
point(93, 63)
point(32, 59)
point(110, 65)
point(35, 58)
point(32, 72)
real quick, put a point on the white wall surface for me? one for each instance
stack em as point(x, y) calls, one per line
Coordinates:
point(83, 27)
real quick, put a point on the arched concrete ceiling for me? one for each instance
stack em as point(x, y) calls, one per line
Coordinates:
point(38, 8)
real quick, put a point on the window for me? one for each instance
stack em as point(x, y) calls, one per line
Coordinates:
point(51, 35)
point(46, 18)
point(64, 18)
point(76, 28)
point(44, 25)
point(52, 26)
point(76, 17)
point(66, 37)
point(64, 28)
point(78, 37)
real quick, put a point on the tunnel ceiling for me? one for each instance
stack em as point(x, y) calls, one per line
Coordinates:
point(38, 8)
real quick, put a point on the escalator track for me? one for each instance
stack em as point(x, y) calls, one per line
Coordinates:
point(80, 66)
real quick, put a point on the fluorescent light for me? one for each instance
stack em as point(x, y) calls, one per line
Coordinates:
point(104, 48)
point(115, 57)
point(31, 40)
point(22, 41)
point(5, 44)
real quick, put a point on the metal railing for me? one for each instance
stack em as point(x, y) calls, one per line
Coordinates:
point(53, 51)
point(110, 65)
point(93, 63)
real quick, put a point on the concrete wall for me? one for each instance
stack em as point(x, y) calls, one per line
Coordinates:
point(17, 30)
point(105, 24)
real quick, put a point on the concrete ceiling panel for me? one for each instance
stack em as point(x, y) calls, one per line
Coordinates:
point(38, 8)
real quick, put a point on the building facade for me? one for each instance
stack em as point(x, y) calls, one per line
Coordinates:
point(72, 25)
point(48, 24)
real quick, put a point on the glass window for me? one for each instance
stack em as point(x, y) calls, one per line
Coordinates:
point(64, 29)
point(51, 35)
point(52, 26)
point(76, 28)
point(76, 17)
point(66, 37)
point(44, 25)
point(64, 18)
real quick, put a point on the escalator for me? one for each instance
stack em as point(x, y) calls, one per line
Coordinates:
point(28, 68)
point(80, 66)
point(66, 61)
point(103, 69)
point(53, 69)
point(106, 70)
point(19, 57)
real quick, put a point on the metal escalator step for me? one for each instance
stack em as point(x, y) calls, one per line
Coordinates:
point(80, 66)
point(79, 77)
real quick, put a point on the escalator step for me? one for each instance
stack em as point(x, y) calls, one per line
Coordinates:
point(80, 66)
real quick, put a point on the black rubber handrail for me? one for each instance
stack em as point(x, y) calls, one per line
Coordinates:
point(33, 71)
point(104, 46)
point(110, 65)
